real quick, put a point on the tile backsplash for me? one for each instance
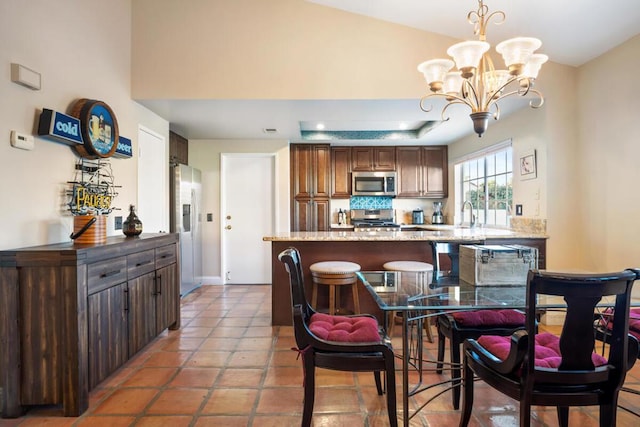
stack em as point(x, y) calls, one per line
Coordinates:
point(364, 202)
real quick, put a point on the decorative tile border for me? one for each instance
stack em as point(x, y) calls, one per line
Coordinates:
point(370, 202)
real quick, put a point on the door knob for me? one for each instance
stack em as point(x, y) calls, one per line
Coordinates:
point(228, 227)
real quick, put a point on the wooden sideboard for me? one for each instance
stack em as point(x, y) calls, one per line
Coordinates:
point(70, 315)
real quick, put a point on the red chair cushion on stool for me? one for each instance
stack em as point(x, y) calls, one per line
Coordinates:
point(489, 318)
point(547, 349)
point(344, 329)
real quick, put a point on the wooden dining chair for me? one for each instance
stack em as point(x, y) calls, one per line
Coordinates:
point(561, 371)
point(343, 343)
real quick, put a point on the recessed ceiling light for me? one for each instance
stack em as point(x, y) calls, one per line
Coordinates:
point(320, 126)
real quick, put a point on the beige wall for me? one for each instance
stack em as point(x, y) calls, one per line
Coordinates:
point(608, 118)
point(82, 48)
point(205, 155)
point(276, 49)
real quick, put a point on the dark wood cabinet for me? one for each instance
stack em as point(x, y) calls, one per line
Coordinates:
point(107, 338)
point(422, 171)
point(370, 159)
point(70, 315)
point(178, 149)
point(310, 215)
point(340, 172)
point(310, 186)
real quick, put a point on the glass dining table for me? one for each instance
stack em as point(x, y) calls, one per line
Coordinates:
point(417, 296)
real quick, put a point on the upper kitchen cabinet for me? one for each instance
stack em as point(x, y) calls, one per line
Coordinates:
point(310, 170)
point(422, 171)
point(310, 186)
point(178, 149)
point(340, 172)
point(370, 159)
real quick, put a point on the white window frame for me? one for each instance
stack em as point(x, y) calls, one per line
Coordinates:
point(483, 202)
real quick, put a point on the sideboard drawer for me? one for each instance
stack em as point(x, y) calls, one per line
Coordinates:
point(104, 274)
point(165, 255)
point(141, 263)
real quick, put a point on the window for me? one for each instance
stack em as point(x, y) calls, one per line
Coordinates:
point(485, 179)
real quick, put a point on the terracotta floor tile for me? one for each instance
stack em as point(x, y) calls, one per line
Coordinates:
point(255, 344)
point(205, 321)
point(285, 343)
point(183, 343)
point(340, 420)
point(285, 358)
point(217, 344)
point(231, 378)
point(259, 331)
point(47, 422)
point(167, 358)
point(278, 376)
point(235, 322)
point(331, 399)
point(249, 359)
point(325, 377)
point(150, 377)
point(126, 401)
point(224, 420)
point(283, 421)
point(164, 421)
point(229, 332)
point(281, 401)
point(193, 331)
point(105, 421)
point(195, 377)
point(175, 401)
point(231, 401)
point(209, 358)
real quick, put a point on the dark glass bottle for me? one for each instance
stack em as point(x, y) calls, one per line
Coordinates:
point(132, 226)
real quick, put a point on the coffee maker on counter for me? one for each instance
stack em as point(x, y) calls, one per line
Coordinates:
point(437, 217)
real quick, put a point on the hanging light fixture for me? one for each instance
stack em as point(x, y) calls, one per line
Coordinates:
point(476, 83)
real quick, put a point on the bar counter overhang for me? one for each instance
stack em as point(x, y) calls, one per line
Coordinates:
point(371, 250)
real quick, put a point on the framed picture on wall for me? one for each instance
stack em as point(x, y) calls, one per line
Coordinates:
point(528, 167)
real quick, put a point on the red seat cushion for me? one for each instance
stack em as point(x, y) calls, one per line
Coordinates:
point(634, 321)
point(547, 349)
point(489, 318)
point(344, 329)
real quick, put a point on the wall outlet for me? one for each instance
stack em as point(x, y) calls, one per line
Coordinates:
point(209, 217)
point(518, 210)
point(118, 223)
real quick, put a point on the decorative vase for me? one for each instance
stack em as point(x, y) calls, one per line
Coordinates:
point(132, 226)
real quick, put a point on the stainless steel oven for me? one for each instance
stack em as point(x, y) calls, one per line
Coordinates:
point(373, 184)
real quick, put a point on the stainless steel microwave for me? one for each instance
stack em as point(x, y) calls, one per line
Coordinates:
point(373, 184)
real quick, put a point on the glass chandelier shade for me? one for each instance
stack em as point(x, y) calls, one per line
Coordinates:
point(475, 82)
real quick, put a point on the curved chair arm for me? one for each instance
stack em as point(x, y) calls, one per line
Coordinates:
point(512, 363)
point(633, 349)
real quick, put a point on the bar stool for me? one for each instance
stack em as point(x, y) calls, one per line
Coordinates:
point(411, 266)
point(334, 274)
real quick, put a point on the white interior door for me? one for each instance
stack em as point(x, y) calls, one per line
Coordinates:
point(247, 212)
point(153, 182)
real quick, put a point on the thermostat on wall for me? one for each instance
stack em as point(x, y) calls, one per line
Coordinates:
point(21, 140)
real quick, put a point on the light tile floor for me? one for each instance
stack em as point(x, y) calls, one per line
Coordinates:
point(227, 366)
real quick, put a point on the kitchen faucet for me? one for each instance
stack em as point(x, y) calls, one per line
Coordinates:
point(472, 222)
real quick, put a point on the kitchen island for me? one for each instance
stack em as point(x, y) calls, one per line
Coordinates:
point(371, 250)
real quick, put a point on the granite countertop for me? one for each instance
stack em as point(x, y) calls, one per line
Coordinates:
point(442, 233)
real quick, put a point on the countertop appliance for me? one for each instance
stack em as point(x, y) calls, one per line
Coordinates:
point(373, 220)
point(185, 217)
point(373, 184)
point(417, 216)
point(437, 217)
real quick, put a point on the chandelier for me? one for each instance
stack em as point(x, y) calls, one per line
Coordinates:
point(476, 83)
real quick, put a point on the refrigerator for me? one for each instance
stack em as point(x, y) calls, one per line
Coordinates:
point(186, 220)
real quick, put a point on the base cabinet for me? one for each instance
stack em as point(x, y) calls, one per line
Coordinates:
point(70, 315)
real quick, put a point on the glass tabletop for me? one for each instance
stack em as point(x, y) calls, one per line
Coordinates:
point(406, 291)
